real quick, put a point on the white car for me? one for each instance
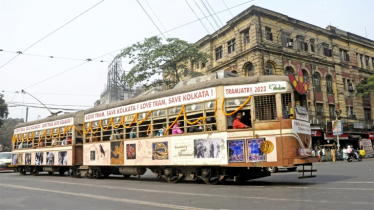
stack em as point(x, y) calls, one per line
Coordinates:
point(5, 161)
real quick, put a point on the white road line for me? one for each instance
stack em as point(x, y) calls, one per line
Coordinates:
point(102, 197)
point(204, 195)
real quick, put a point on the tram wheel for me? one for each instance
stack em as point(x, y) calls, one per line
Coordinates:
point(106, 175)
point(61, 172)
point(23, 172)
point(173, 179)
point(211, 181)
point(35, 172)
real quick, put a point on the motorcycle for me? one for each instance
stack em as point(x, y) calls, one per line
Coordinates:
point(354, 155)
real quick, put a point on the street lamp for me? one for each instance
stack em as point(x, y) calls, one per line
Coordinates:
point(52, 113)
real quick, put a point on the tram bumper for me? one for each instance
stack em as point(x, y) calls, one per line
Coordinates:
point(305, 160)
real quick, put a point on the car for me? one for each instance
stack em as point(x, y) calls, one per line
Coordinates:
point(5, 161)
point(275, 169)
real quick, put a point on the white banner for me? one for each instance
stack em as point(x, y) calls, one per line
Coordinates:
point(301, 127)
point(46, 125)
point(254, 89)
point(160, 103)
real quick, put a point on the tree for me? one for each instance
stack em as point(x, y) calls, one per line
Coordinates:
point(171, 59)
point(3, 109)
point(6, 132)
point(366, 87)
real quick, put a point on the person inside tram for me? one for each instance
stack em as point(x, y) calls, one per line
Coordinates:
point(162, 130)
point(95, 138)
point(238, 124)
point(176, 129)
point(20, 146)
point(133, 133)
point(198, 128)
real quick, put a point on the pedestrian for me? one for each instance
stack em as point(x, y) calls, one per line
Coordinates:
point(333, 154)
point(313, 153)
point(319, 154)
point(344, 153)
point(323, 158)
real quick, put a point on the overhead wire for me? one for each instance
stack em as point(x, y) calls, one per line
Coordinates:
point(212, 16)
point(18, 103)
point(52, 33)
point(142, 40)
point(156, 17)
point(197, 16)
point(151, 19)
point(68, 94)
point(41, 107)
point(205, 16)
point(227, 8)
point(214, 12)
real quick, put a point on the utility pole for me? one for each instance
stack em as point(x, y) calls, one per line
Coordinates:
point(27, 113)
point(337, 116)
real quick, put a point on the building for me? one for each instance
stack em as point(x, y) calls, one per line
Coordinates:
point(263, 42)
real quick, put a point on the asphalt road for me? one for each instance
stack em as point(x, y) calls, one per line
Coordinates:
point(339, 185)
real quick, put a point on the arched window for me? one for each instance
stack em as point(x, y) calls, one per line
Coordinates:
point(317, 82)
point(305, 75)
point(329, 84)
point(288, 70)
point(269, 69)
point(234, 72)
point(250, 69)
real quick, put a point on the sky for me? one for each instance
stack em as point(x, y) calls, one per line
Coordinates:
point(112, 25)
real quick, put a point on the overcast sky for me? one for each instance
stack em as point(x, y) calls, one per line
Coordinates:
point(114, 24)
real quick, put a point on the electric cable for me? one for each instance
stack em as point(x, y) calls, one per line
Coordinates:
point(18, 103)
point(51, 33)
point(68, 94)
point(227, 8)
point(214, 12)
point(151, 19)
point(197, 16)
point(212, 16)
point(205, 16)
point(157, 17)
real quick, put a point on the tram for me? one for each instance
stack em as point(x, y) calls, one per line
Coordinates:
point(231, 128)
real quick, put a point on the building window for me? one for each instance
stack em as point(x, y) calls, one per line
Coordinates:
point(319, 110)
point(269, 35)
point(231, 46)
point(344, 56)
point(202, 65)
point(362, 60)
point(332, 110)
point(344, 85)
point(367, 113)
point(305, 75)
point(250, 69)
point(234, 72)
point(301, 45)
point(286, 37)
point(317, 82)
point(269, 69)
point(329, 84)
point(288, 70)
point(246, 37)
point(367, 61)
point(219, 52)
point(197, 65)
point(326, 50)
point(372, 62)
point(312, 48)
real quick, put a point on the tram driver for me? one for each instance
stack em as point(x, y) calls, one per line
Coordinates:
point(238, 124)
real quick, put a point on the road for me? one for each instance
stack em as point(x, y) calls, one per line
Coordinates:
point(339, 185)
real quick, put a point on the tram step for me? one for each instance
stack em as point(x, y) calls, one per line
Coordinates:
point(303, 177)
point(315, 170)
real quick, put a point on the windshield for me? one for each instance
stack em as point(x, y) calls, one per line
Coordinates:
point(5, 155)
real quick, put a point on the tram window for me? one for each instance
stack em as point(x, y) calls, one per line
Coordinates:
point(118, 133)
point(287, 110)
point(106, 133)
point(159, 126)
point(210, 122)
point(300, 100)
point(233, 104)
point(78, 138)
point(143, 129)
point(192, 117)
point(265, 107)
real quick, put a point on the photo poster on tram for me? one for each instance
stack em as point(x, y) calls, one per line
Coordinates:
point(254, 150)
point(97, 153)
point(117, 153)
point(201, 149)
point(236, 151)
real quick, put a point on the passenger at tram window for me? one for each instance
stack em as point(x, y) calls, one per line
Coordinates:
point(54, 142)
point(162, 130)
point(230, 121)
point(238, 122)
point(63, 141)
point(20, 146)
point(198, 128)
point(25, 145)
point(95, 138)
point(176, 129)
point(115, 136)
point(133, 133)
point(30, 145)
point(69, 140)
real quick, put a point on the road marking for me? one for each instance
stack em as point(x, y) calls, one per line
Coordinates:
point(205, 195)
point(102, 197)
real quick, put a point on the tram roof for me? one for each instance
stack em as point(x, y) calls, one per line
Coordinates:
point(53, 118)
point(189, 88)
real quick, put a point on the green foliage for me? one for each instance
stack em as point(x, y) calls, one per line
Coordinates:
point(366, 87)
point(6, 132)
point(171, 60)
point(3, 109)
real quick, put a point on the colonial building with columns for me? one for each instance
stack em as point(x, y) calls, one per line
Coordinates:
point(263, 42)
